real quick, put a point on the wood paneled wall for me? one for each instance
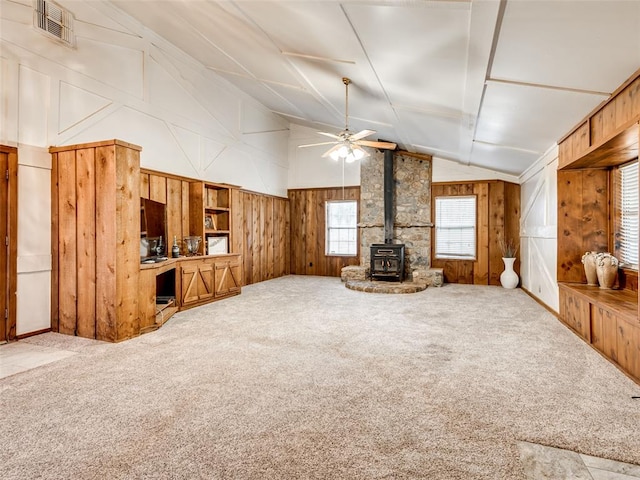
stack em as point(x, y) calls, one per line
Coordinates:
point(308, 231)
point(498, 216)
point(583, 219)
point(260, 232)
point(173, 191)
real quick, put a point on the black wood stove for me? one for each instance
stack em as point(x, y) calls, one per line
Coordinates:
point(387, 259)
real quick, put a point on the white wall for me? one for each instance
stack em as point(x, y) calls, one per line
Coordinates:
point(120, 81)
point(450, 171)
point(538, 229)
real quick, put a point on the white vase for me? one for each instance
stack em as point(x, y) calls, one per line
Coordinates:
point(509, 278)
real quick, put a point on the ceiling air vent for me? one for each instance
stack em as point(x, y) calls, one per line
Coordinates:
point(55, 21)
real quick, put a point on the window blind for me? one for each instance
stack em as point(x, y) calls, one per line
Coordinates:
point(456, 227)
point(627, 200)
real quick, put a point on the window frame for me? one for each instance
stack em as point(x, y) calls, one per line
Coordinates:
point(328, 227)
point(458, 257)
point(616, 217)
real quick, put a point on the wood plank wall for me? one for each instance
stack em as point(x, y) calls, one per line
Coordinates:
point(173, 191)
point(260, 233)
point(583, 219)
point(498, 216)
point(308, 231)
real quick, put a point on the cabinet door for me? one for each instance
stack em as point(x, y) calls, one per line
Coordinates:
point(575, 312)
point(628, 346)
point(189, 277)
point(227, 277)
point(205, 281)
point(603, 331)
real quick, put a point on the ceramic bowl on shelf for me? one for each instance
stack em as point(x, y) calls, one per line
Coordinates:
point(192, 243)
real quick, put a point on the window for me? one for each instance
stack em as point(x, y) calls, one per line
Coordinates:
point(626, 215)
point(456, 227)
point(342, 227)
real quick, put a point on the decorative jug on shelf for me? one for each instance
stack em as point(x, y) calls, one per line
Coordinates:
point(607, 270)
point(589, 262)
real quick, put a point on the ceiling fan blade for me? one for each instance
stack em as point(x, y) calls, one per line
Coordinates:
point(315, 144)
point(383, 145)
point(361, 134)
point(330, 135)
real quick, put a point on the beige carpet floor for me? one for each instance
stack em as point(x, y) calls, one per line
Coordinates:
point(301, 378)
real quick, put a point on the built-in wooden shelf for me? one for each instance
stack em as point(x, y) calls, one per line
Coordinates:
point(607, 138)
point(621, 302)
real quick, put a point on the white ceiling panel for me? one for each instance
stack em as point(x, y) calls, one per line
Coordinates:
point(589, 45)
point(528, 117)
point(503, 160)
point(436, 133)
point(268, 96)
point(419, 52)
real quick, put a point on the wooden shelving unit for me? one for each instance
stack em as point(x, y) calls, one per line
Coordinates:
point(211, 215)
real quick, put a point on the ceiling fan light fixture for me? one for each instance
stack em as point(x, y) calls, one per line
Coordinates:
point(357, 153)
point(349, 153)
point(341, 152)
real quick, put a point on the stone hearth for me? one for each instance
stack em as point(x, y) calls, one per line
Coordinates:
point(385, 287)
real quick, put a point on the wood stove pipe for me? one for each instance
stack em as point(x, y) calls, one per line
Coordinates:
point(388, 196)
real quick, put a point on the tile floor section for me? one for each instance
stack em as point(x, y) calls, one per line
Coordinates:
point(540, 462)
point(16, 357)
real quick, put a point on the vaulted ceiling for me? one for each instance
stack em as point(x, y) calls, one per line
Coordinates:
point(485, 82)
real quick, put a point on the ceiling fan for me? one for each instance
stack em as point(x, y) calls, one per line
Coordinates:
point(348, 145)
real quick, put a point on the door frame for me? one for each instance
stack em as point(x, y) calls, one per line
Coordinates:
point(10, 226)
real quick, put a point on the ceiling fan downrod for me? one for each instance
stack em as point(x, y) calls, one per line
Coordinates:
point(346, 82)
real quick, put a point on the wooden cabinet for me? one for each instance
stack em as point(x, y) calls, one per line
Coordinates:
point(206, 278)
point(227, 276)
point(197, 281)
point(96, 239)
point(575, 311)
point(99, 288)
point(607, 320)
